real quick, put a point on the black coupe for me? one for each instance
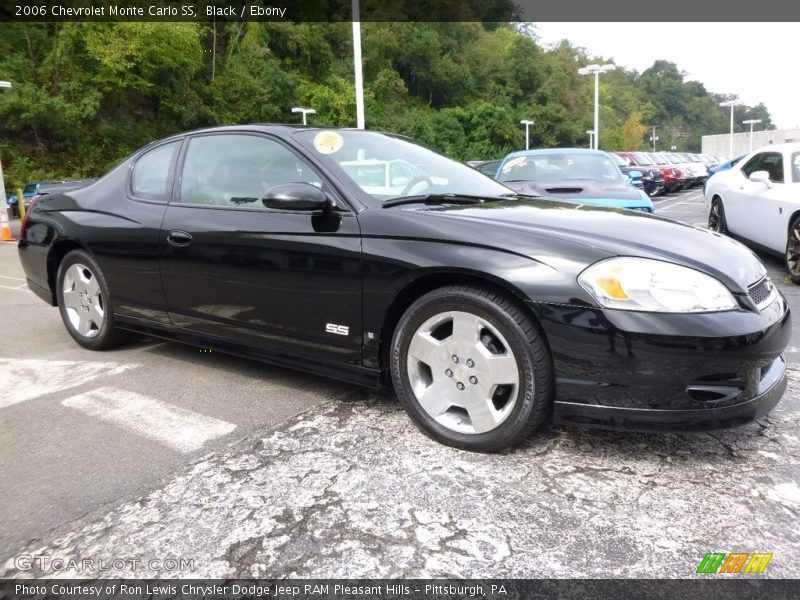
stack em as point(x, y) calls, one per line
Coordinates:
point(365, 257)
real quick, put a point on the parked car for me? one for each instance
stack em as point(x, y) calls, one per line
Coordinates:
point(684, 165)
point(758, 201)
point(652, 181)
point(572, 174)
point(40, 188)
point(725, 165)
point(487, 167)
point(487, 311)
point(674, 177)
point(696, 165)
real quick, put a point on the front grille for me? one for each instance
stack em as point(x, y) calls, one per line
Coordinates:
point(761, 292)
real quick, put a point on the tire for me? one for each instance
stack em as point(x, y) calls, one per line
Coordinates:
point(793, 251)
point(716, 217)
point(83, 301)
point(483, 391)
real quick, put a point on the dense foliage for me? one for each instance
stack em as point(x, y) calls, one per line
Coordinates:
point(86, 95)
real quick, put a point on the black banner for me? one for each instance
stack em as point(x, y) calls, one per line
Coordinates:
point(386, 10)
point(713, 588)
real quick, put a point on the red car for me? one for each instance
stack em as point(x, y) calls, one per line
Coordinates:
point(674, 179)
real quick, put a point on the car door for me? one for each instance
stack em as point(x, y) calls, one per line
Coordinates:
point(735, 196)
point(756, 209)
point(768, 205)
point(287, 282)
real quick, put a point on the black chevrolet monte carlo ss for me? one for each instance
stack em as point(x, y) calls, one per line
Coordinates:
point(362, 256)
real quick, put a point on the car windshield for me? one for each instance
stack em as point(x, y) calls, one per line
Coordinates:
point(559, 167)
point(29, 188)
point(659, 160)
point(387, 167)
point(620, 160)
point(643, 159)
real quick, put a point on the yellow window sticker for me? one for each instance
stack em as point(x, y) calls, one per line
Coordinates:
point(328, 142)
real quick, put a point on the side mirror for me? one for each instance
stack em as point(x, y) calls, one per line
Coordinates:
point(761, 177)
point(296, 196)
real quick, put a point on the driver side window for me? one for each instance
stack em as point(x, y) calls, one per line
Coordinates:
point(752, 165)
point(237, 169)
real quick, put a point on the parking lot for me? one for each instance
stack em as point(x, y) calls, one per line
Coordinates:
point(158, 453)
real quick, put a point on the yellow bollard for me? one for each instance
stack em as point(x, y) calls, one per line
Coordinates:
point(20, 204)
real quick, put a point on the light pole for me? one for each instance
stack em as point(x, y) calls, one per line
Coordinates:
point(305, 111)
point(751, 122)
point(359, 76)
point(527, 124)
point(654, 138)
point(732, 104)
point(596, 70)
point(4, 207)
point(590, 132)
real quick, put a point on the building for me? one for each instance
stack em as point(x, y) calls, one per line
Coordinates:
point(720, 144)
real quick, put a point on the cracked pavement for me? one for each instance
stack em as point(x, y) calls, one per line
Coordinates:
point(354, 490)
point(349, 488)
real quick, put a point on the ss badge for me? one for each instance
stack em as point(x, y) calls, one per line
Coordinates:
point(337, 329)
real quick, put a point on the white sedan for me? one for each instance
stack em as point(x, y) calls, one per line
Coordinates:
point(758, 201)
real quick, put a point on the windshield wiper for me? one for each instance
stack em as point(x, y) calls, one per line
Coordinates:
point(435, 199)
point(521, 195)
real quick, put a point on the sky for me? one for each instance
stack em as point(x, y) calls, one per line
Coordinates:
point(755, 61)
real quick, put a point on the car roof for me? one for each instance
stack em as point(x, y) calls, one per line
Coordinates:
point(785, 147)
point(279, 128)
point(542, 151)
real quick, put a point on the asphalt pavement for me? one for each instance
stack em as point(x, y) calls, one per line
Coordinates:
point(176, 462)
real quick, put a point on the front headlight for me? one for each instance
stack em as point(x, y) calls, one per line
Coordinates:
point(643, 284)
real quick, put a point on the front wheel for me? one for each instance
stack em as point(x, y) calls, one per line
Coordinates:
point(84, 302)
point(471, 368)
point(793, 251)
point(716, 217)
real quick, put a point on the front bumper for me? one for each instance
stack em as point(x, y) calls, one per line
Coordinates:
point(769, 393)
point(674, 371)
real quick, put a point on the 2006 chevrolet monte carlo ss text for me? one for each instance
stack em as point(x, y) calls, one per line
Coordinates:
point(362, 256)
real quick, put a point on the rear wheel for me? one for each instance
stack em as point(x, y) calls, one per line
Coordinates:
point(471, 368)
point(793, 251)
point(83, 300)
point(716, 217)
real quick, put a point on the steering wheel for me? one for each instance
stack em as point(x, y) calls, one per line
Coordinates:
point(415, 182)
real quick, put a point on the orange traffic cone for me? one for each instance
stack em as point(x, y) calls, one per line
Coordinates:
point(5, 229)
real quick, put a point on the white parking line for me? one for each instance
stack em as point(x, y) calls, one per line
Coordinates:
point(180, 429)
point(23, 379)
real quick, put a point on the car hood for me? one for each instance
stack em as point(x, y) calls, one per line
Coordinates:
point(611, 232)
point(577, 189)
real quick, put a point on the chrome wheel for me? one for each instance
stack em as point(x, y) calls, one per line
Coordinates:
point(83, 301)
point(463, 372)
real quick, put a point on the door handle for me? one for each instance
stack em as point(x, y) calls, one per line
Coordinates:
point(179, 238)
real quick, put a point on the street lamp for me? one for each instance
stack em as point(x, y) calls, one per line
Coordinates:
point(654, 138)
point(732, 104)
point(305, 111)
point(527, 124)
point(7, 86)
point(596, 70)
point(357, 67)
point(590, 132)
point(751, 122)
